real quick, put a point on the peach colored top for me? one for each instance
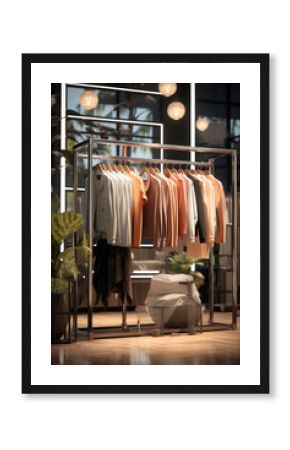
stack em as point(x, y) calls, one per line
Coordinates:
point(181, 202)
point(221, 210)
point(208, 193)
point(172, 224)
point(139, 200)
point(164, 207)
point(182, 206)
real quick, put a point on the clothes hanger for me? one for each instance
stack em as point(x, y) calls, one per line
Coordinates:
point(107, 167)
point(156, 170)
point(180, 170)
point(166, 170)
point(98, 167)
point(120, 167)
point(143, 170)
point(151, 169)
point(126, 169)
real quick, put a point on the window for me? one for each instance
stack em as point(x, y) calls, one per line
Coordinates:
point(122, 113)
point(220, 103)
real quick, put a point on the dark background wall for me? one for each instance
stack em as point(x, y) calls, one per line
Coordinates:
point(177, 131)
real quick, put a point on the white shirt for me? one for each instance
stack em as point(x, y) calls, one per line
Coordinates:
point(192, 214)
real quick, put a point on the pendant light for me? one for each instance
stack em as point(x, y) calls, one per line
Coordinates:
point(202, 123)
point(176, 110)
point(89, 100)
point(167, 89)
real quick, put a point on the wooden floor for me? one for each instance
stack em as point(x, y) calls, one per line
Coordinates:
point(210, 347)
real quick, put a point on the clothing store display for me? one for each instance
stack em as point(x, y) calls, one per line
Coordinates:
point(112, 269)
point(176, 209)
point(168, 208)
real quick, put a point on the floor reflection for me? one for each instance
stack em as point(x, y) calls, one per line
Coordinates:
point(218, 348)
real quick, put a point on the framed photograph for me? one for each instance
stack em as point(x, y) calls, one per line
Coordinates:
point(145, 223)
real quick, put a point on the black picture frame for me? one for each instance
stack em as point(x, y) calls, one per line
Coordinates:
point(263, 61)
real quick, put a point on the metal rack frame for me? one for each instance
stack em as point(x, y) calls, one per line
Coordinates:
point(89, 149)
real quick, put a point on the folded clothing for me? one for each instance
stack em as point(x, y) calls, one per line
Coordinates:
point(165, 283)
point(179, 303)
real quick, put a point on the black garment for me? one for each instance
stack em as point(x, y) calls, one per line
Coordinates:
point(200, 228)
point(112, 272)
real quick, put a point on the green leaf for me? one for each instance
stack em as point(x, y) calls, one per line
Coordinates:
point(59, 285)
point(65, 224)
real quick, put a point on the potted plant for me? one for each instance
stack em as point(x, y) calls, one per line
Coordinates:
point(182, 263)
point(64, 264)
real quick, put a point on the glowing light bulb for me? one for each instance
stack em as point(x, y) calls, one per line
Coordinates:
point(176, 110)
point(89, 100)
point(202, 123)
point(167, 89)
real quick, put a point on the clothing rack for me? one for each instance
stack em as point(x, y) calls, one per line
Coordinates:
point(90, 149)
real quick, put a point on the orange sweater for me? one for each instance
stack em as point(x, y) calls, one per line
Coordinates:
point(140, 199)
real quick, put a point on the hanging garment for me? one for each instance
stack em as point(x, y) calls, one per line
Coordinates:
point(112, 207)
point(192, 214)
point(182, 206)
point(200, 230)
point(102, 208)
point(209, 208)
point(221, 210)
point(112, 269)
point(125, 212)
point(140, 198)
point(172, 223)
point(152, 210)
point(165, 206)
point(114, 192)
point(181, 202)
point(215, 214)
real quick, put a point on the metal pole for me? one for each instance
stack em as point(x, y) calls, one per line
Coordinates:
point(75, 205)
point(124, 308)
point(113, 88)
point(63, 146)
point(145, 160)
point(69, 311)
point(108, 119)
point(211, 268)
point(234, 239)
point(124, 317)
point(182, 148)
point(90, 222)
point(161, 150)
